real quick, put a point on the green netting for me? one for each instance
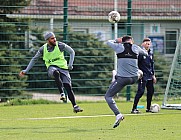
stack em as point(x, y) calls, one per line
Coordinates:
point(86, 30)
point(172, 98)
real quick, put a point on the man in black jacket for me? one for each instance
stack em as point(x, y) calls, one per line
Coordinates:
point(146, 64)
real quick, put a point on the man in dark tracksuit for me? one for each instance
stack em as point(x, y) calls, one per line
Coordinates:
point(146, 64)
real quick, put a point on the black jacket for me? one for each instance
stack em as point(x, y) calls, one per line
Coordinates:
point(146, 64)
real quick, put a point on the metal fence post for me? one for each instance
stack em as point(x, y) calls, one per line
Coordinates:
point(128, 90)
point(65, 20)
point(65, 29)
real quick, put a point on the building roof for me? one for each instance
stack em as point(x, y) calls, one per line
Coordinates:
point(101, 7)
point(96, 8)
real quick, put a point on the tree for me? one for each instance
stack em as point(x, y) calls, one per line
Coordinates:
point(93, 64)
point(12, 38)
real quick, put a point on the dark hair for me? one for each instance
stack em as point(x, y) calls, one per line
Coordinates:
point(146, 39)
point(126, 38)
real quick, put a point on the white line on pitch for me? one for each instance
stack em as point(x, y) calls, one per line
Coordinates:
point(65, 117)
point(74, 117)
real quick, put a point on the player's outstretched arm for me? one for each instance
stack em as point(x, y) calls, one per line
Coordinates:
point(22, 73)
point(31, 63)
point(113, 44)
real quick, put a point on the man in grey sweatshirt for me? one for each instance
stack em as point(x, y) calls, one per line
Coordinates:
point(127, 70)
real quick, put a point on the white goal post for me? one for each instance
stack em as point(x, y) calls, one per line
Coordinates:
point(172, 97)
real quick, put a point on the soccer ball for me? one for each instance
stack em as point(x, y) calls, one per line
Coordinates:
point(155, 108)
point(114, 17)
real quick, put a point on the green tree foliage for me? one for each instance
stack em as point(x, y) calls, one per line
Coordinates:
point(12, 38)
point(93, 64)
point(12, 6)
point(162, 70)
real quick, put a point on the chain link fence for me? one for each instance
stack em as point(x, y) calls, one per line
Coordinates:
point(84, 26)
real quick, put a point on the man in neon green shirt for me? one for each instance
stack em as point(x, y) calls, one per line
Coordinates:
point(53, 55)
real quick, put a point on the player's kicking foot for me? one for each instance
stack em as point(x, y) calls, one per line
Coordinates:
point(119, 118)
point(62, 97)
point(77, 109)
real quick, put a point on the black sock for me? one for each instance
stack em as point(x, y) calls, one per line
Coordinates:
point(70, 93)
point(58, 81)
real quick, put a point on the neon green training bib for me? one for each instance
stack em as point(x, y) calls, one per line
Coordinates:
point(56, 57)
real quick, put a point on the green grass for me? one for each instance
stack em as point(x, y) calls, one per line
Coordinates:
point(44, 122)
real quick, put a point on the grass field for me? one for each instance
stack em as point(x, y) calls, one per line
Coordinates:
point(58, 122)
